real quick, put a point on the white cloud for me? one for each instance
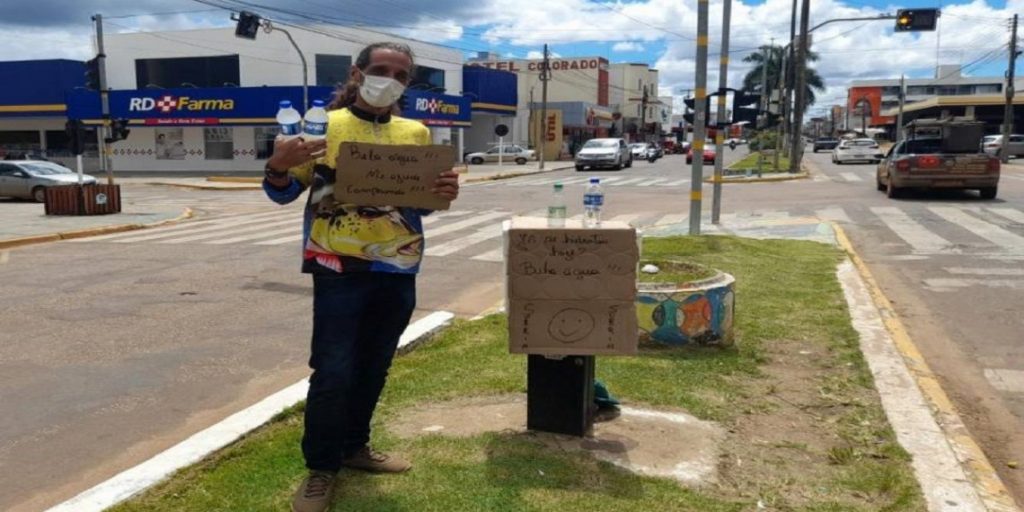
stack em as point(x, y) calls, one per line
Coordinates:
point(971, 31)
point(627, 46)
point(535, 54)
point(435, 31)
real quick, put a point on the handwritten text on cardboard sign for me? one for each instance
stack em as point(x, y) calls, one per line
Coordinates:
point(386, 175)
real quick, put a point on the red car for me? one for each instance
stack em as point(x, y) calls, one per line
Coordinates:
point(709, 154)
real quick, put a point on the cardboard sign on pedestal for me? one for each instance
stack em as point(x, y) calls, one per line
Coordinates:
point(571, 290)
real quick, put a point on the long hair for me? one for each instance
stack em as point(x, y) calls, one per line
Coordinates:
point(346, 94)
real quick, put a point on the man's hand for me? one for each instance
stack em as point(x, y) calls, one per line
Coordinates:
point(294, 152)
point(447, 185)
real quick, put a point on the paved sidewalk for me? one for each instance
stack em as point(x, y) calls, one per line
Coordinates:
point(198, 182)
point(26, 222)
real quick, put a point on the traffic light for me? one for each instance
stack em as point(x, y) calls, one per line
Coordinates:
point(691, 107)
point(118, 130)
point(92, 74)
point(73, 128)
point(745, 107)
point(248, 25)
point(916, 20)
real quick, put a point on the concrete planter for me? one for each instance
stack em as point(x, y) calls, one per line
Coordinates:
point(689, 313)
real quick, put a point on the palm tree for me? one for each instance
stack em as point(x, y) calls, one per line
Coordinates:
point(752, 82)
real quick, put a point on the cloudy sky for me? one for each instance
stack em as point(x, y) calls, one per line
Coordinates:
point(658, 32)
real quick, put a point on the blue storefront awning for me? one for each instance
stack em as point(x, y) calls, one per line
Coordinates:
point(35, 88)
point(241, 105)
point(493, 91)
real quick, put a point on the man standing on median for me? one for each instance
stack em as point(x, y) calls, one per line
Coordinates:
point(364, 262)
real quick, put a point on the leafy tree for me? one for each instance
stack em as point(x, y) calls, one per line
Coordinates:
point(752, 81)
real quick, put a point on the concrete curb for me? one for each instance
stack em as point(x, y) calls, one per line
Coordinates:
point(83, 233)
point(137, 479)
point(770, 179)
point(510, 175)
point(235, 179)
point(983, 476)
point(202, 187)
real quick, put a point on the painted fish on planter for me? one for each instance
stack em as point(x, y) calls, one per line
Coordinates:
point(683, 317)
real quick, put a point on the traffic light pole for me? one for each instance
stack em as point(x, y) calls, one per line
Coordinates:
point(1004, 155)
point(104, 132)
point(723, 82)
point(700, 117)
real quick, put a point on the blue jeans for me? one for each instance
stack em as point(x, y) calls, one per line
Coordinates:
point(357, 321)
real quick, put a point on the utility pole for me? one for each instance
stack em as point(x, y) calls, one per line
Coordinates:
point(899, 117)
point(780, 128)
point(723, 83)
point(787, 82)
point(700, 117)
point(643, 114)
point(104, 132)
point(1004, 155)
point(545, 75)
point(800, 85)
point(530, 136)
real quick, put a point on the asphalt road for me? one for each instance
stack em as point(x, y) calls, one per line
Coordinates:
point(115, 348)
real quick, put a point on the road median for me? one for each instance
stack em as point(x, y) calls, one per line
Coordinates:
point(802, 424)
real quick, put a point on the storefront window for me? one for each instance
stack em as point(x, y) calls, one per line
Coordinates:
point(265, 141)
point(220, 144)
point(220, 71)
point(332, 70)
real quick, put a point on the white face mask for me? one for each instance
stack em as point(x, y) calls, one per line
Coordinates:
point(380, 91)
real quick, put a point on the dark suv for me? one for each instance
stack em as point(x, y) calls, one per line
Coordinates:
point(825, 143)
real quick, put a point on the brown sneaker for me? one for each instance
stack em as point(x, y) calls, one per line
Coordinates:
point(367, 459)
point(315, 493)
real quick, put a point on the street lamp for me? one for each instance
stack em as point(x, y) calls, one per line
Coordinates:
point(247, 28)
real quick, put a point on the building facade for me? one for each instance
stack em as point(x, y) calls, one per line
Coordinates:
point(579, 84)
point(868, 99)
point(634, 94)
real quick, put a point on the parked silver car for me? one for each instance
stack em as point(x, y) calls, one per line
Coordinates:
point(28, 179)
point(511, 153)
point(993, 144)
point(613, 153)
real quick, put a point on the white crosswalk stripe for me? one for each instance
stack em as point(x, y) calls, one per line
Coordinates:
point(849, 176)
point(923, 232)
point(834, 213)
point(633, 181)
point(920, 239)
point(988, 231)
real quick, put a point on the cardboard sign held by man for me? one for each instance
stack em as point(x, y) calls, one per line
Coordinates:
point(385, 175)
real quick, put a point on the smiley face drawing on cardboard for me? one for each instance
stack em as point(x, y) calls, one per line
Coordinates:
point(571, 325)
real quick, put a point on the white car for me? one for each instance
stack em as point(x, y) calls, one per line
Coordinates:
point(511, 153)
point(857, 150)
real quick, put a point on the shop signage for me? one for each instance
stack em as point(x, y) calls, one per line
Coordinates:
point(557, 64)
point(245, 105)
point(433, 109)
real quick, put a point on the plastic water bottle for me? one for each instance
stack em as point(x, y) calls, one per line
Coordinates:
point(556, 208)
point(315, 122)
point(289, 120)
point(593, 200)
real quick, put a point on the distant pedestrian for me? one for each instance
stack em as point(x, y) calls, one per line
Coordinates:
point(364, 262)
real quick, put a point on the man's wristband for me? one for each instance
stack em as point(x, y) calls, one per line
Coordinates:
point(274, 174)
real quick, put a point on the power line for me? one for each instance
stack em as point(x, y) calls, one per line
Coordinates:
point(194, 11)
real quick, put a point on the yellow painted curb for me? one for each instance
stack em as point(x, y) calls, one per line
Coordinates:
point(770, 179)
point(83, 233)
point(235, 179)
point(985, 479)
